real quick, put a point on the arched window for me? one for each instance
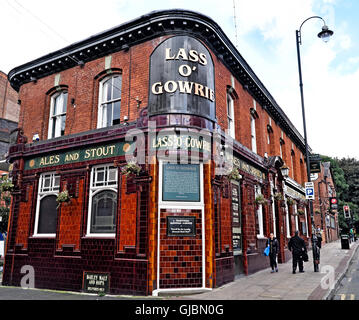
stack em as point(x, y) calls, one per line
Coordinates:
point(103, 201)
point(46, 209)
point(109, 101)
point(57, 119)
point(103, 215)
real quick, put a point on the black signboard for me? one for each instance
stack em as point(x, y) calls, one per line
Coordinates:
point(181, 182)
point(314, 166)
point(96, 282)
point(181, 226)
point(182, 79)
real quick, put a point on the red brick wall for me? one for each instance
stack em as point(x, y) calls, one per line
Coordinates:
point(23, 222)
point(69, 232)
point(128, 217)
point(9, 108)
point(180, 257)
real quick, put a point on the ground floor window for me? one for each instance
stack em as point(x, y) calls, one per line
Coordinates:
point(236, 219)
point(103, 201)
point(46, 209)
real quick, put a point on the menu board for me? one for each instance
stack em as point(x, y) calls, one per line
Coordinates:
point(236, 221)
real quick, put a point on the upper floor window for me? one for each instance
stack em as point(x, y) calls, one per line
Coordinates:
point(46, 209)
point(57, 115)
point(230, 116)
point(109, 101)
point(253, 134)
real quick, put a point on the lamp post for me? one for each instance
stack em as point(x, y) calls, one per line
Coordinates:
point(325, 34)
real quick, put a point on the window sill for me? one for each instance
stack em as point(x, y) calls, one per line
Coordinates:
point(259, 236)
point(45, 235)
point(99, 236)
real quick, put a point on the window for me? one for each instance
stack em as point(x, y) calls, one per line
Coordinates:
point(253, 134)
point(230, 116)
point(109, 101)
point(46, 209)
point(57, 115)
point(103, 201)
point(259, 214)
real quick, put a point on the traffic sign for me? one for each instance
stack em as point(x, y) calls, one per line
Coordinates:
point(309, 190)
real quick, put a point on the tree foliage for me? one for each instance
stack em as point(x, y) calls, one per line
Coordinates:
point(346, 178)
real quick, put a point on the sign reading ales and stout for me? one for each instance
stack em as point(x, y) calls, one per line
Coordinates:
point(182, 78)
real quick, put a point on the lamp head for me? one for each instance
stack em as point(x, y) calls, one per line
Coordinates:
point(325, 34)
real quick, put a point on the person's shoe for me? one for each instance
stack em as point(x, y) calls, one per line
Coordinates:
point(302, 271)
point(293, 272)
point(276, 269)
point(272, 271)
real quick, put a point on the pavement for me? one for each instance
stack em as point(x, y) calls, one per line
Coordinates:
point(261, 285)
point(284, 285)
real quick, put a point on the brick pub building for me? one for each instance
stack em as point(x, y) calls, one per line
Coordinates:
point(168, 85)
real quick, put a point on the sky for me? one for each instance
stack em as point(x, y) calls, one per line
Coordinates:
point(262, 30)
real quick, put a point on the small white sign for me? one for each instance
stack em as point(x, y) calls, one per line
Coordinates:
point(309, 190)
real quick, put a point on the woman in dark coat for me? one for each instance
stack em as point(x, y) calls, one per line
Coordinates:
point(273, 244)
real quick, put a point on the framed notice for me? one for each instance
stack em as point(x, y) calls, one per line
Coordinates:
point(96, 282)
point(181, 182)
point(179, 226)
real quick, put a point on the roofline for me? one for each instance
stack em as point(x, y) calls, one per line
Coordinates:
point(149, 26)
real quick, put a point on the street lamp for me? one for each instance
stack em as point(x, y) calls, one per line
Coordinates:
point(325, 34)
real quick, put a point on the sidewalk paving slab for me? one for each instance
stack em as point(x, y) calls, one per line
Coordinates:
point(284, 285)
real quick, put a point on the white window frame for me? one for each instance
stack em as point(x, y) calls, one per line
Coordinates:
point(273, 209)
point(258, 191)
point(95, 188)
point(58, 116)
point(296, 217)
point(53, 189)
point(253, 134)
point(287, 217)
point(101, 114)
point(230, 116)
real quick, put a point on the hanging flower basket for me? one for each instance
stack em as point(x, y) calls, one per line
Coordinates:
point(6, 186)
point(260, 200)
point(278, 196)
point(317, 211)
point(290, 201)
point(301, 212)
point(234, 175)
point(63, 197)
point(131, 168)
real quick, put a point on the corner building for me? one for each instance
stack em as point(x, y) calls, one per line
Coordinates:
point(166, 86)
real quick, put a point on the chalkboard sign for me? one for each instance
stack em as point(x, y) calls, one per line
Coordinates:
point(181, 182)
point(181, 226)
point(96, 282)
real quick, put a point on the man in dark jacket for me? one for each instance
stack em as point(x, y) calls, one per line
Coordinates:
point(273, 251)
point(297, 246)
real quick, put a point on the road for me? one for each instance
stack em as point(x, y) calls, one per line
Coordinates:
point(348, 288)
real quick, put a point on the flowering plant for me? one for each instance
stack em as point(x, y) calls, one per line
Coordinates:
point(62, 197)
point(260, 199)
point(234, 174)
point(278, 196)
point(6, 185)
point(131, 168)
point(301, 212)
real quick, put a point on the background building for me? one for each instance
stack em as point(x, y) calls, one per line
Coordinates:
point(326, 218)
point(9, 117)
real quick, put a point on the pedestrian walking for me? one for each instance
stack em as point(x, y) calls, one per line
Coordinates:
point(273, 244)
point(297, 246)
